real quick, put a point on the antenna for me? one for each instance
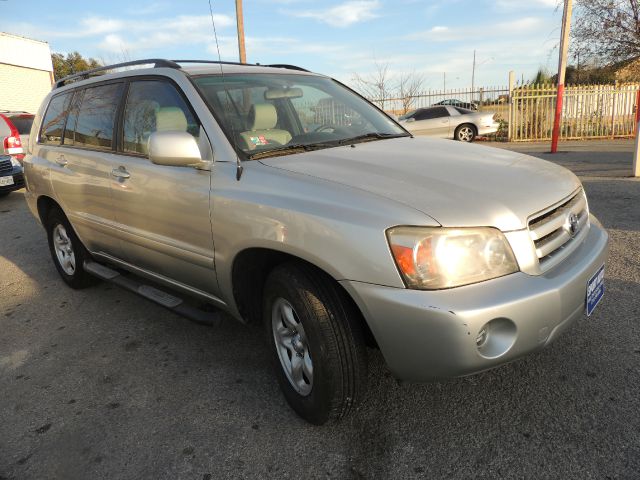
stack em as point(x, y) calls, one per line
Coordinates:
point(239, 167)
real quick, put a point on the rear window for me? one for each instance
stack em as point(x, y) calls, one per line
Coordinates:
point(22, 123)
point(463, 111)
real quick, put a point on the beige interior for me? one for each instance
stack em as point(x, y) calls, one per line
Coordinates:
point(171, 119)
point(263, 119)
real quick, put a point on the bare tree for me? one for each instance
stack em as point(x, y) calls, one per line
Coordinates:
point(408, 87)
point(607, 29)
point(375, 86)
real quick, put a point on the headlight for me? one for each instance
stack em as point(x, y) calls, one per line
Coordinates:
point(15, 162)
point(436, 258)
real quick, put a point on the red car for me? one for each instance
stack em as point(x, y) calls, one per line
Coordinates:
point(14, 133)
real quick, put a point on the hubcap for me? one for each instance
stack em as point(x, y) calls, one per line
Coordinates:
point(64, 249)
point(465, 134)
point(291, 345)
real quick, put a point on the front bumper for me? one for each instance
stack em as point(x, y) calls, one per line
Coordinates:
point(426, 335)
point(488, 129)
point(18, 180)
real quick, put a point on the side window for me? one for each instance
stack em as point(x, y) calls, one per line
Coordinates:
point(54, 120)
point(428, 114)
point(153, 106)
point(94, 118)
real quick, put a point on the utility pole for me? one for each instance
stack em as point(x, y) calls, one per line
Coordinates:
point(562, 69)
point(473, 75)
point(636, 152)
point(240, 22)
point(444, 80)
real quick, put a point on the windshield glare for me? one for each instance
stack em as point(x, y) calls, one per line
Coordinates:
point(263, 112)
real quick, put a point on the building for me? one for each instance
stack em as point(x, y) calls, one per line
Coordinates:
point(26, 72)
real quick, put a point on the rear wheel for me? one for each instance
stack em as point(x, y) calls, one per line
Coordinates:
point(465, 133)
point(67, 251)
point(317, 346)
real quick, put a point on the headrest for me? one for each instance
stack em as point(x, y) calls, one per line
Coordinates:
point(262, 116)
point(170, 119)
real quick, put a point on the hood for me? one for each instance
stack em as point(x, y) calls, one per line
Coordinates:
point(457, 184)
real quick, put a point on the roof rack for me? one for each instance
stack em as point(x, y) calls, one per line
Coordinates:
point(159, 63)
point(284, 65)
point(275, 65)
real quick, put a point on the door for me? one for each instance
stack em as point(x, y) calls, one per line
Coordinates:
point(81, 165)
point(162, 212)
point(431, 122)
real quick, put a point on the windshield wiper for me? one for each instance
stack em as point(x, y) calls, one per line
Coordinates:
point(290, 149)
point(308, 147)
point(371, 136)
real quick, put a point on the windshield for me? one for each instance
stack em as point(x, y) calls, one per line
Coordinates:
point(283, 113)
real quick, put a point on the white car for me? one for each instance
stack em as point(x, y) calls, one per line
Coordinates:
point(450, 122)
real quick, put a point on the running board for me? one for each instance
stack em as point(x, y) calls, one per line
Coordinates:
point(165, 299)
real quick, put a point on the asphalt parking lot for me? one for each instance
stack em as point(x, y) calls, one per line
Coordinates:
point(101, 384)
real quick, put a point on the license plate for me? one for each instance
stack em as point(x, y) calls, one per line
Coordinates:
point(595, 290)
point(4, 181)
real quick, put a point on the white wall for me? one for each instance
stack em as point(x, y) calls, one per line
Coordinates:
point(26, 73)
point(24, 52)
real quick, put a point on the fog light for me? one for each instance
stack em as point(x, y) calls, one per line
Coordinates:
point(496, 337)
point(481, 338)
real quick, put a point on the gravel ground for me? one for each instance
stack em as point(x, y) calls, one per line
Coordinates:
point(102, 384)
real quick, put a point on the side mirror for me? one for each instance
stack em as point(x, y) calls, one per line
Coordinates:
point(175, 149)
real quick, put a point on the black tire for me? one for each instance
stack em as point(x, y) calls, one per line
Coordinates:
point(4, 194)
point(79, 278)
point(465, 133)
point(334, 341)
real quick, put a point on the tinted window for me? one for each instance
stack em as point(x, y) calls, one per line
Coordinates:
point(54, 119)
point(407, 115)
point(154, 105)
point(430, 113)
point(463, 111)
point(96, 112)
point(22, 123)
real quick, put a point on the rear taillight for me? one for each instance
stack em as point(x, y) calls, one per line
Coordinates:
point(12, 143)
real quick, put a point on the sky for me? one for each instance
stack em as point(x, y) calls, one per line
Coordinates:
point(435, 38)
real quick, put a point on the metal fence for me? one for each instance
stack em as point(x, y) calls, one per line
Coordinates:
point(494, 98)
point(526, 112)
point(591, 111)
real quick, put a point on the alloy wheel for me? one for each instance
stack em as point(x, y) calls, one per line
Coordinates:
point(292, 346)
point(64, 250)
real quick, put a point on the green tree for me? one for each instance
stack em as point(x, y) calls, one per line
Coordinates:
point(541, 77)
point(72, 63)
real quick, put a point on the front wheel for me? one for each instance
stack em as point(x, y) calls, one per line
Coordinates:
point(317, 346)
point(67, 251)
point(465, 133)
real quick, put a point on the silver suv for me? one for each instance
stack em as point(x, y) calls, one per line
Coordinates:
point(281, 196)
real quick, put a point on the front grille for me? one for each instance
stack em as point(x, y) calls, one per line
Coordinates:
point(5, 166)
point(553, 231)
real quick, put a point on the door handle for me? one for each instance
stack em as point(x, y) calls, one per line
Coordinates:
point(120, 173)
point(62, 161)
